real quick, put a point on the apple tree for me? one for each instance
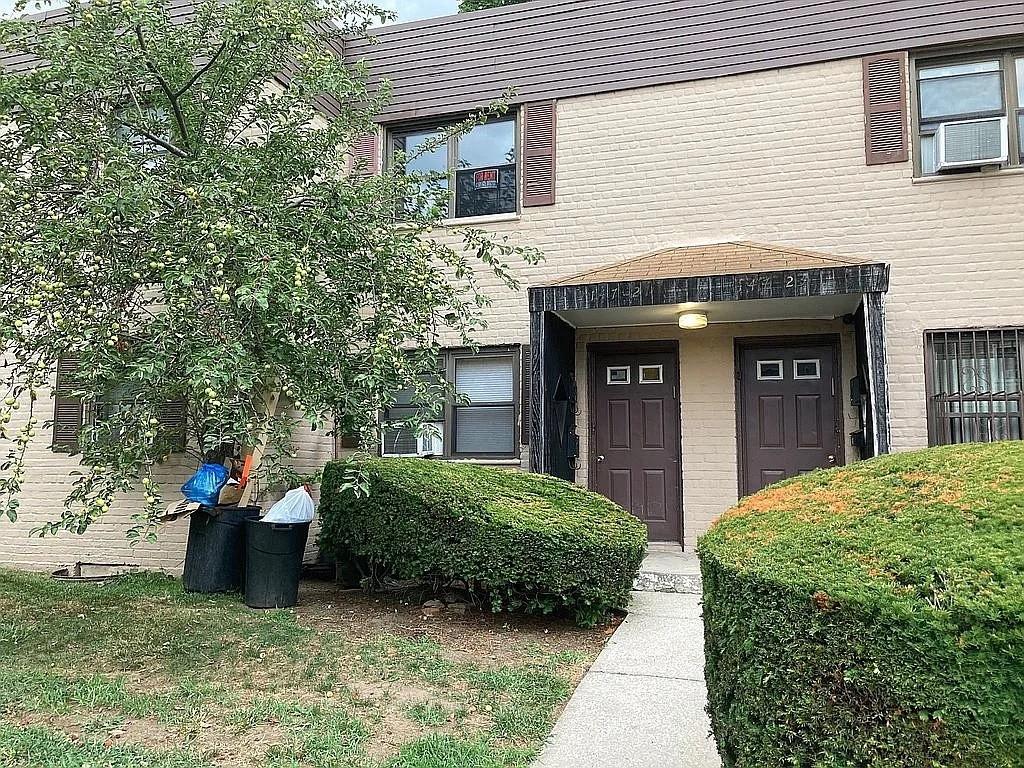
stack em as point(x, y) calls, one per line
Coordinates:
point(179, 212)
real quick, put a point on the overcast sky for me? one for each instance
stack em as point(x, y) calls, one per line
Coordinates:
point(407, 10)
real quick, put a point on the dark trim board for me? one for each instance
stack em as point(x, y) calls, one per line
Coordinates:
point(776, 284)
point(552, 358)
point(833, 340)
point(874, 320)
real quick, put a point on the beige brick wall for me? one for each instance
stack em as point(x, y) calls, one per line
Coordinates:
point(49, 479)
point(773, 157)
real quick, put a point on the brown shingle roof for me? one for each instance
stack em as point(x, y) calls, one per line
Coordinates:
point(706, 260)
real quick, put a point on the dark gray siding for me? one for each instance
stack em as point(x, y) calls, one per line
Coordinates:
point(560, 48)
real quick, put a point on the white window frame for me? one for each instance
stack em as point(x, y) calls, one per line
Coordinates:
point(396, 132)
point(629, 375)
point(1012, 110)
point(659, 380)
point(817, 369)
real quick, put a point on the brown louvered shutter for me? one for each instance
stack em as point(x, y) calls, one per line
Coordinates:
point(366, 154)
point(172, 423)
point(524, 397)
point(68, 412)
point(539, 154)
point(885, 109)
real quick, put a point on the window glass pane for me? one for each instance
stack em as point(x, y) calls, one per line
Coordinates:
point(976, 366)
point(806, 369)
point(962, 95)
point(928, 153)
point(484, 379)
point(485, 192)
point(419, 159)
point(1020, 82)
point(967, 68)
point(490, 144)
point(1020, 132)
point(400, 441)
point(484, 430)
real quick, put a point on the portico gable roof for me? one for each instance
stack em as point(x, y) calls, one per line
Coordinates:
point(730, 271)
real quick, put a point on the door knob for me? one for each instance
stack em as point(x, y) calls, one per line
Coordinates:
point(600, 459)
point(832, 460)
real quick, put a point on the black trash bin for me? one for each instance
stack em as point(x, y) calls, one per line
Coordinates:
point(273, 563)
point(215, 555)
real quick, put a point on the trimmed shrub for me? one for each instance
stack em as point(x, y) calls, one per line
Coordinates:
point(529, 542)
point(872, 616)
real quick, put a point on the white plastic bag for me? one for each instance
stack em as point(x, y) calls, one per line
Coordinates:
point(295, 507)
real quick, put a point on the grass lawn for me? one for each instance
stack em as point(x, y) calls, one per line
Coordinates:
point(135, 673)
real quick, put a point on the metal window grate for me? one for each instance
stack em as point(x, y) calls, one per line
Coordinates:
point(974, 385)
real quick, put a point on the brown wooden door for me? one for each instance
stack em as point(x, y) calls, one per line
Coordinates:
point(636, 453)
point(789, 419)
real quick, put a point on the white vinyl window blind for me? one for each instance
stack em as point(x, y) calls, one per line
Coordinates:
point(485, 412)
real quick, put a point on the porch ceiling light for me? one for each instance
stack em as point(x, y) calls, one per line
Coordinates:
point(693, 321)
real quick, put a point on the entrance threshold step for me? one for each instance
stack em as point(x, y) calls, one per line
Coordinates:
point(680, 583)
point(664, 570)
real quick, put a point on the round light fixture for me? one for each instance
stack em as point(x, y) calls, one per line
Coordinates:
point(693, 321)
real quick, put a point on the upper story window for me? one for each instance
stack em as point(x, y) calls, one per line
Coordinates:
point(970, 112)
point(480, 165)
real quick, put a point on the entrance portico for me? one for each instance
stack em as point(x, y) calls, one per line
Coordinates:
point(788, 375)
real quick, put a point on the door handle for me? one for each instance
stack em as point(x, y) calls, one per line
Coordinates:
point(600, 459)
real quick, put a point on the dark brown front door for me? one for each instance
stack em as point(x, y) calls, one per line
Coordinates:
point(635, 457)
point(789, 418)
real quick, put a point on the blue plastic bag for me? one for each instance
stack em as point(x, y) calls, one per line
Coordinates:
point(204, 486)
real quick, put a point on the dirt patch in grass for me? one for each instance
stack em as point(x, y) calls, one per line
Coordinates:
point(478, 636)
point(218, 746)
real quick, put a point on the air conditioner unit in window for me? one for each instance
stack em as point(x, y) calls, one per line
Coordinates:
point(431, 442)
point(972, 143)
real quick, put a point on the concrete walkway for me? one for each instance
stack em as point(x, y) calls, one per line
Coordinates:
point(642, 703)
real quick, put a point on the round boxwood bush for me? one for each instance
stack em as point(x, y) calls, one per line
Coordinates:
point(872, 616)
point(528, 542)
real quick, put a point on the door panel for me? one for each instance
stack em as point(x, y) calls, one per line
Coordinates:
point(620, 487)
point(654, 423)
point(808, 421)
point(654, 495)
point(771, 429)
point(618, 424)
point(636, 452)
point(790, 418)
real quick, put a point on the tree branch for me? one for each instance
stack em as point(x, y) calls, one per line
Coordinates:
point(202, 70)
point(179, 118)
point(174, 150)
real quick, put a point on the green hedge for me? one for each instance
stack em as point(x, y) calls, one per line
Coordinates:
point(872, 616)
point(529, 542)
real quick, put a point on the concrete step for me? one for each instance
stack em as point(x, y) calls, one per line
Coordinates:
point(680, 583)
point(668, 569)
